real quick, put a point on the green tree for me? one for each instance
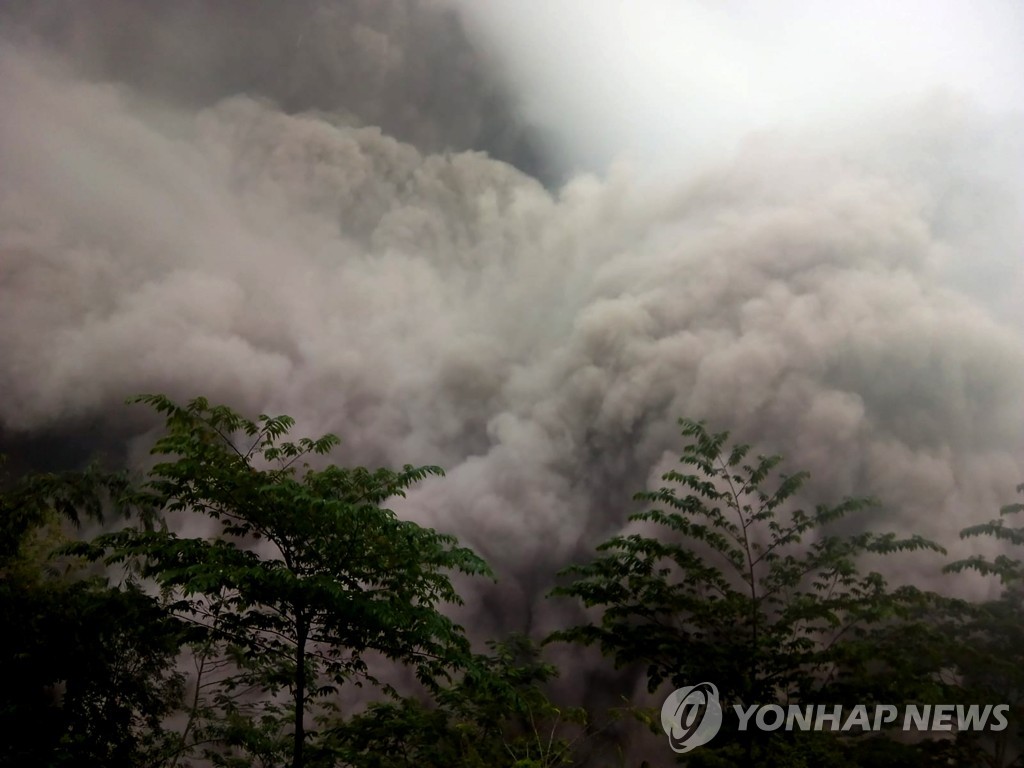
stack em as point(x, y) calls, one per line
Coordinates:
point(88, 670)
point(990, 654)
point(299, 577)
point(729, 584)
point(497, 714)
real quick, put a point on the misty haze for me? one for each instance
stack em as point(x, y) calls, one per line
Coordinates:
point(550, 248)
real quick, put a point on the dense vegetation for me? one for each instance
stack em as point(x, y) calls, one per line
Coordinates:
point(237, 595)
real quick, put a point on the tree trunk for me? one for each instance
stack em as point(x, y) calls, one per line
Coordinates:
point(301, 633)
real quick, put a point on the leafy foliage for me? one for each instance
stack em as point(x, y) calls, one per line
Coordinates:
point(732, 586)
point(88, 669)
point(990, 654)
point(275, 585)
point(496, 715)
point(304, 573)
point(1009, 570)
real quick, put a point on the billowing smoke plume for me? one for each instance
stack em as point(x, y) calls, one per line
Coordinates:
point(289, 208)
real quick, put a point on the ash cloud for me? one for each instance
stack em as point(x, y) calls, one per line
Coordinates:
point(403, 65)
point(342, 251)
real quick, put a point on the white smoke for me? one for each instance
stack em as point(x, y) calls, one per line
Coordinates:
point(672, 81)
point(849, 298)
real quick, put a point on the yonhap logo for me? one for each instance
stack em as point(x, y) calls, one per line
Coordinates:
point(691, 716)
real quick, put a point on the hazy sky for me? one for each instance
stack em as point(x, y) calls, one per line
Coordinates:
point(669, 80)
